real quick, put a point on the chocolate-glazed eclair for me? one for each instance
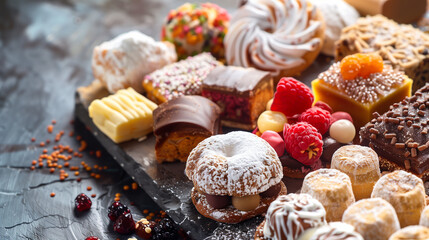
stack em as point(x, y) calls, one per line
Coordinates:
point(180, 124)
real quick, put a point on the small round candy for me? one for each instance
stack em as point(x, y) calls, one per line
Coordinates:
point(271, 120)
point(269, 103)
point(340, 115)
point(246, 203)
point(343, 131)
point(275, 140)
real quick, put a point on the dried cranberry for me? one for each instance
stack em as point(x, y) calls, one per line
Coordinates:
point(82, 202)
point(117, 209)
point(124, 224)
point(92, 238)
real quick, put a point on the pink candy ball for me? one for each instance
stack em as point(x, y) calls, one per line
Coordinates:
point(275, 140)
point(340, 115)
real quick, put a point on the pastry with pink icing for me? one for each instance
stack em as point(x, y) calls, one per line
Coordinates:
point(289, 216)
point(236, 176)
point(123, 61)
point(283, 37)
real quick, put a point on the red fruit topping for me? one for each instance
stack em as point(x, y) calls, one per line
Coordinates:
point(275, 140)
point(323, 106)
point(292, 97)
point(350, 67)
point(303, 142)
point(144, 228)
point(317, 117)
point(340, 115)
point(82, 202)
point(92, 238)
point(124, 224)
point(117, 209)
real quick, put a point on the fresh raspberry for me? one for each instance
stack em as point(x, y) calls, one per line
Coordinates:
point(323, 106)
point(303, 142)
point(292, 97)
point(317, 117)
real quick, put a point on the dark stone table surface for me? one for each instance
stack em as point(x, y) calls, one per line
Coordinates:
point(45, 54)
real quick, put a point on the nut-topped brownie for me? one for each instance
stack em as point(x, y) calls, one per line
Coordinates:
point(241, 93)
point(400, 136)
point(402, 46)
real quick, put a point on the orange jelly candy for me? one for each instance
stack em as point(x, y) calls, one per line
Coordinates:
point(361, 65)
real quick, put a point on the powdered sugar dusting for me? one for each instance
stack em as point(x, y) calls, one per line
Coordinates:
point(355, 159)
point(336, 231)
point(235, 164)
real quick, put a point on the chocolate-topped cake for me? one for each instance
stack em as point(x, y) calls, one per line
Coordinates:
point(180, 124)
point(400, 136)
point(241, 93)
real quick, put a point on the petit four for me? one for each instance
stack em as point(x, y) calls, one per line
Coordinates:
point(400, 11)
point(182, 78)
point(332, 231)
point(373, 218)
point(123, 61)
point(196, 28)
point(241, 93)
point(405, 192)
point(411, 233)
point(399, 136)
point(123, 116)
point(235, 175)
point(332, 188)
point(361, 165)
point(402, 46)
point(282, 37)
point(337, 14)
point(424, 217)
point(289, 216)
point(180, 124)
point(361, 84)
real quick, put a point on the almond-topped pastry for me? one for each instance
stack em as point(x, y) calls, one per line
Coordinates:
point(180, 124)
point(236, 176)
point(289, 216)
point(282, 37)
point(332, 188)
point(402, 46)
point(361, 165)
point(361, 84)
point(400, 136)
point(373, 218)
point(123, 61)
point(405, 192)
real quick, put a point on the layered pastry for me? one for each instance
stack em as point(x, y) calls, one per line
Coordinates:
point(283, 37)
point(289, 216)
point(405, 192)
point(411, 233)
point(332, 188)
point(196, 28)
point(180, 124)
point(360, 85)
point(123, 61)
point(373, 218)
point(241, 93)
point(332, 231)
point(337, 14)
point(361, 165)
point(399, 136)
point(182, 78)
point(123, 116)
point(235, 175)
point(424, 217)
point(400, 11)
point(402, 46)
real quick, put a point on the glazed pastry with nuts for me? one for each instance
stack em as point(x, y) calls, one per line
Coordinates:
point(235, 175)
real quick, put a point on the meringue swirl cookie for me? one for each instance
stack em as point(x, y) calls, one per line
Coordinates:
point(332, 231)
point(123, 61)
point(289, 216)
point(282, 37)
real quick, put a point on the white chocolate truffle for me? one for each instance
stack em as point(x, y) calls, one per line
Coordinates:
point(343, 131)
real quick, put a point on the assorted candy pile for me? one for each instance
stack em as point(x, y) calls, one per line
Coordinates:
point(293, 124)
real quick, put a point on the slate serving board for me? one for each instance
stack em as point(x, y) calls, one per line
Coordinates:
point(166, 183)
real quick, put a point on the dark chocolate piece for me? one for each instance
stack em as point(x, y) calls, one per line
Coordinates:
point(272, 191)
point(290, 162)
point(330, 145)
point(405, 133)
point(217, 202)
